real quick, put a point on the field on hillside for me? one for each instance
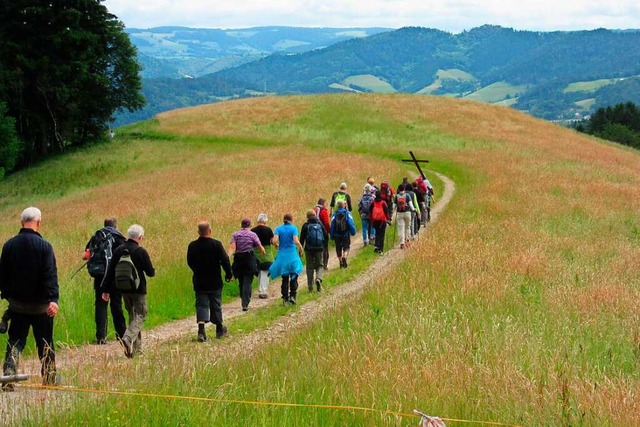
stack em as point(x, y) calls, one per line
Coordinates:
point(519, 306)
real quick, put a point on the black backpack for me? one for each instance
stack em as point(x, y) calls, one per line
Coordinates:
point(315, 236)
point(101, 247)
point(126, 276)
point(340, 225)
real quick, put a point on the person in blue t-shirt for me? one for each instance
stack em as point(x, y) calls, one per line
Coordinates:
point(288, 262)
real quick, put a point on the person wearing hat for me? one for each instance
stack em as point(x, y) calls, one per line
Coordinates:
point(245, 264)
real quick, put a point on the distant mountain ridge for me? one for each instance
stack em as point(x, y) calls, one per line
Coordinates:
point(180, 51)
point(554, 75)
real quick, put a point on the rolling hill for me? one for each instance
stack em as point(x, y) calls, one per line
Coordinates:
point(518, 307)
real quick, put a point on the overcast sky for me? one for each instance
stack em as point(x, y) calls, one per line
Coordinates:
point(453, 16)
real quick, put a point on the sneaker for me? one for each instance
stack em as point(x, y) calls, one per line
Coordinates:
point(365, 244)
point(319, 285)
point(245, 308)
point(263, 296)
point(202, 337)
point(342, 263)
point(126, 346)
point(292, 300)
point(222, 332)
point(101, 341)
point(344, 260)
point(3, 327)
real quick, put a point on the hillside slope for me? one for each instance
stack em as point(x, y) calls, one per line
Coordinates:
point(519, 306)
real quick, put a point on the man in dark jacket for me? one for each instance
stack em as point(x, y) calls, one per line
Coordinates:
point(135, 301)
point(29, 281)
point(110, 234)
point(314, 238)
point(206, 256)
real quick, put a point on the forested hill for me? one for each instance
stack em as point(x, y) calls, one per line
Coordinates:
point(554, 75)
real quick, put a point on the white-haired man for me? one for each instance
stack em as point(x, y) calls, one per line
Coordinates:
point(135, 300)
point(29, 281)
point(341, 195)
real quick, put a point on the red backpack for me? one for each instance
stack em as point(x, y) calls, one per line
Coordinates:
point(378, 213)
point(422, 185)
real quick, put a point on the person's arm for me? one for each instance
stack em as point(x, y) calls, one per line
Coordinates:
point(352, 224)
point(224, 261)
point(50, 275)
point(232, 248)
point(297, 242)
point(146, 263)
point(349, 207)
point(303, 233)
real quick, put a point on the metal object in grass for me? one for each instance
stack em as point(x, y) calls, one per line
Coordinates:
point(6, 379)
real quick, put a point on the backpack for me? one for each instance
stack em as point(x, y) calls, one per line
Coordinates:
point(401, 203)
point(341, 196)
point(365, 205)
point(101, 247)
point(126, 276)
point(386, 192)
point(315, 236)
point(378, 214)
point(341, 225)
point(422, 185)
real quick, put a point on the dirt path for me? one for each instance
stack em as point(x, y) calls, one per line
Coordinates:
point(92, 358)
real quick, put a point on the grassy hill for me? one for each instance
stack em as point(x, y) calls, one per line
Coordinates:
point(520, 306)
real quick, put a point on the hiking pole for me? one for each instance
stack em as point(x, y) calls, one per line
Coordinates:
point(394, 225)
point(78, 270)
point(6, 379)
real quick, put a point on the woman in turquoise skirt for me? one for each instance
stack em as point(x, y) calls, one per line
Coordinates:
point(288, 262)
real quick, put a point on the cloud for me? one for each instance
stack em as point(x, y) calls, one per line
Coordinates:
point(456, 15)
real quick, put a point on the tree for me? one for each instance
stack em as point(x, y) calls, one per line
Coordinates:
point(67, 67)
point(9, 143)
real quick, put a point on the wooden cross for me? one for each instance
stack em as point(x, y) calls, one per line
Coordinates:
point(417, 163)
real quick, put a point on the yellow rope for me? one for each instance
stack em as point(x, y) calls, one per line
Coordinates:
point(255, 403)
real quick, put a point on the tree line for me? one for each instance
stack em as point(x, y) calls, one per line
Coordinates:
point(619, 123)
point(66, 67)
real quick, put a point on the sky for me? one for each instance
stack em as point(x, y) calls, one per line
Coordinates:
point(447, 15)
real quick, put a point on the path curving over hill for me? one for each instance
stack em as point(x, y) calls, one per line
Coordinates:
point(92, 359)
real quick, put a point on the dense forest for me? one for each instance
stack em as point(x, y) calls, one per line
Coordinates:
point(65, 69)
point(618, 123)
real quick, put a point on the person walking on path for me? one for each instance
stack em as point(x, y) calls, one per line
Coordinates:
point(29, 281)
point(265, 234)
point(245, 264)
point(288, 264)
point(314, 238)
point(380, 217)
point(322, 213)
point(364, 207)
point(135, 299)
point(341, 195)
point(207, 258)
point(98, 254)
point(404, 208)
point(342, 228)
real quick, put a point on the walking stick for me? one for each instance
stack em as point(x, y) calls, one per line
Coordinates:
point(78, 270)
point(395, 226)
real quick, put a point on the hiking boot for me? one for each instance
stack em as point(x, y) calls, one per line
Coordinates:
point(292, 300)
point(222, 332)
point(202, 337)
point(101, 341)
point(126, 346)
point(263, 296)
point(319, 285)
point(3, 327)
point(344, 260)
point(342, 263)
point(245, 308)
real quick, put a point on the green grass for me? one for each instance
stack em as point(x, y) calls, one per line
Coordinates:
point(496, 92)
point(590, 86)
point(517, 307)
point(368, 81)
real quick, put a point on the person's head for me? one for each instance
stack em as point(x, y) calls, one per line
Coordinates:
point(204, 229)
point(287, 217)
point(111, 221)
point(378, 195)
point(343, 186)
point(340, 204)
point(311, 214)
point(135, 232)
point(245, 223)
point(371, 181)
point(366, 189)
point(31, 218)
point(322, 201)
point(263, 218)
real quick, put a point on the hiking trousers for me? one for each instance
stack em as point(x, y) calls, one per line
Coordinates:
point(136, 305)
point(209, 307)
point(244, 281)
point(403, 220)
point(315, 266)
point(42, 326)
point(101, 317)
point(263, 282)
point(289, 287)
point(380, 227)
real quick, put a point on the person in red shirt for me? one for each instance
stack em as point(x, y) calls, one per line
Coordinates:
point(322, 213)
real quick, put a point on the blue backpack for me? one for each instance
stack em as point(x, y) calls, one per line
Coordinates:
point(315, 236)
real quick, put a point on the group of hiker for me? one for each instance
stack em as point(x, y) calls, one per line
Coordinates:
point(119, 265)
